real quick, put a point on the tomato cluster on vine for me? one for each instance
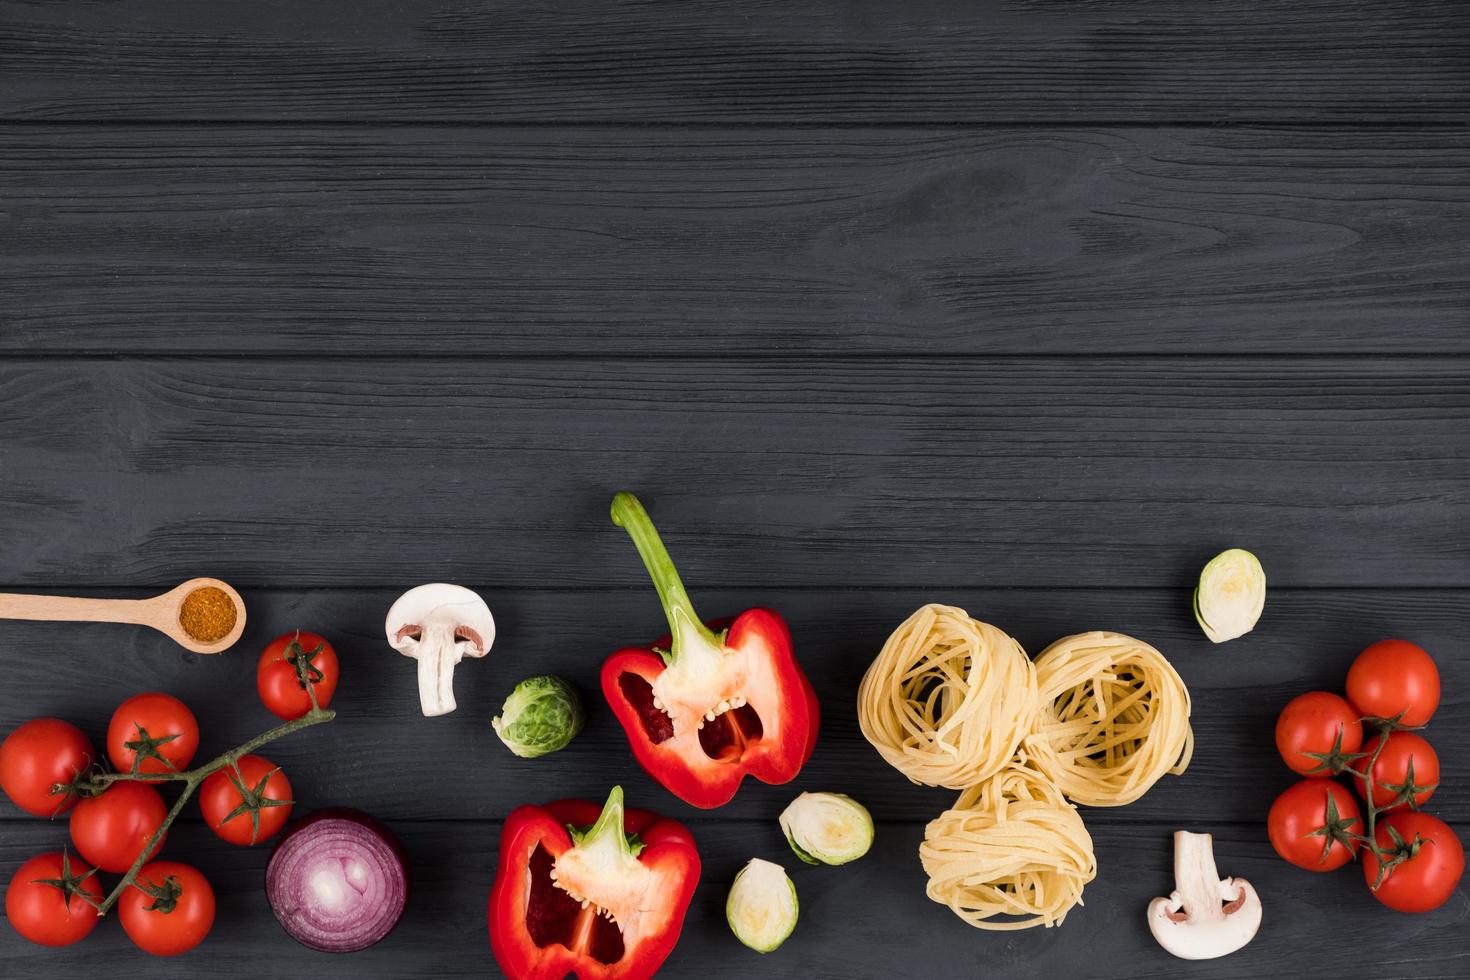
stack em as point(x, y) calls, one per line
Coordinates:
point(1411, 860)
point(115, 811)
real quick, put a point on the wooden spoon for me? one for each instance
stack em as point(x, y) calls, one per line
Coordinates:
point(162, 612)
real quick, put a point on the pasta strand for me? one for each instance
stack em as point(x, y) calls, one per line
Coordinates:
point(1011, 847)
point(1114, 718)
point(948, 699)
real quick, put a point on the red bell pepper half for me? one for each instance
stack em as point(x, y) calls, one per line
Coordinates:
point(703, 709)
point(599, 895)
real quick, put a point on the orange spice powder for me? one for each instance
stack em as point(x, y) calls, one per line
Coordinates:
point(208, 614)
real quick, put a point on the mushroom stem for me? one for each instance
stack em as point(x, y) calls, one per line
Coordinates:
point(1205, 916)
point(436, 679)
point(1196, 879)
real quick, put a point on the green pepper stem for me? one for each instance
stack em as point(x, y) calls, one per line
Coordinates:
point(605, 844)
point(609, 821)
point(685, 626)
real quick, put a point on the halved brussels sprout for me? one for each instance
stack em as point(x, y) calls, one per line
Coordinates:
point(827, 828)
point(543, 714)
point(1230, 596)
point(762, 905)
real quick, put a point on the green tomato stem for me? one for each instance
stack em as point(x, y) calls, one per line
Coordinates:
point(1369, 787)
point(687, 630)
point(103, 780)
point(1388, 859)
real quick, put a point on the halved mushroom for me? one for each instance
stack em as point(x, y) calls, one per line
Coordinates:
point(439, 625)
point(1206, 916)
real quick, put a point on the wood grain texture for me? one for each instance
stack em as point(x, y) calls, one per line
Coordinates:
point(397, 242)
point(869, 919)
point(455, 766)
point(876, 303)
point(660, 62)
point(929, 472)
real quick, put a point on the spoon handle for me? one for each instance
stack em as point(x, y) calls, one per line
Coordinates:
point(74, 609)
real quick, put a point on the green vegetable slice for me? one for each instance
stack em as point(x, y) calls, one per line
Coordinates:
point(543, 714)
point(762, 906)
point(827, 828)
point(1230, 596)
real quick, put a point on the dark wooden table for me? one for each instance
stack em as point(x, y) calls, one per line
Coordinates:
point(1030, 307)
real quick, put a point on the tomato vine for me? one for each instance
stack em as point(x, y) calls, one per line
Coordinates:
point(1404, 794)
point(94, 783)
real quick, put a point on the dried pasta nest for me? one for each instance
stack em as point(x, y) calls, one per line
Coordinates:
point(1010, 854)
point(1098, 719)
point(1114, 718)
point(948, 699)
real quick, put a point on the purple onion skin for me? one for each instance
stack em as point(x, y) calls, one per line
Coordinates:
point(368, 822)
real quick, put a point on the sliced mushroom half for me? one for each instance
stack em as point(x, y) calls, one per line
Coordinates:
point(439, 625)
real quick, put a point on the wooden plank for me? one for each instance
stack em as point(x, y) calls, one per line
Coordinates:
point(398, 242)
point(455, 766)
point(906, 472)
point(938, 61)
point(865, 920)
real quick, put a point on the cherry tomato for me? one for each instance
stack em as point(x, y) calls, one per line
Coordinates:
point(1426, 880)
point(1393, 677)
point(248, 804)
point(39, 755)
point(168, 910)
point(279, 683)
point(111, 829)
point(1320, 723)
point(44, 900)
point(154, 732)
point(1391, 771)
point(1300, 821)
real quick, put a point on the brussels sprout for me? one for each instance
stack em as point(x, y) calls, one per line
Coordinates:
point(762, 906)
point(827, 828)
point(1230, 596)
point(543, 714)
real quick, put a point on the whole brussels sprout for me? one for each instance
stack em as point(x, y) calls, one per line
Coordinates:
point(543, 714)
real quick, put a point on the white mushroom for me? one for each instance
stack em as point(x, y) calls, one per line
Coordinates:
point(1206, 916)
point(439, 625)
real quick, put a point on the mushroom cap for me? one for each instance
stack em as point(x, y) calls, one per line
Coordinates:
point(441, 601)
point(1213, 935)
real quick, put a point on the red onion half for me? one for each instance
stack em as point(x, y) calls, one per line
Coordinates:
point(337, 881)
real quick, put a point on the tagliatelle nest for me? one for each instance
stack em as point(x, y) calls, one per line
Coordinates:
point(948, 699)
point(1114, 718)
point(1010, 854)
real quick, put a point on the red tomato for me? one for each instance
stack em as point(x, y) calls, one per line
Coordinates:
point(1426, 880)
point(279, 683)
point(38, 756)
point(168, 910)
point(1393, 677)
point(44, 901)
point(1320, 723)
point(1301, 821)
point(1391, 771)
point(111, 830)
point(152, 732)
point(248, 804)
